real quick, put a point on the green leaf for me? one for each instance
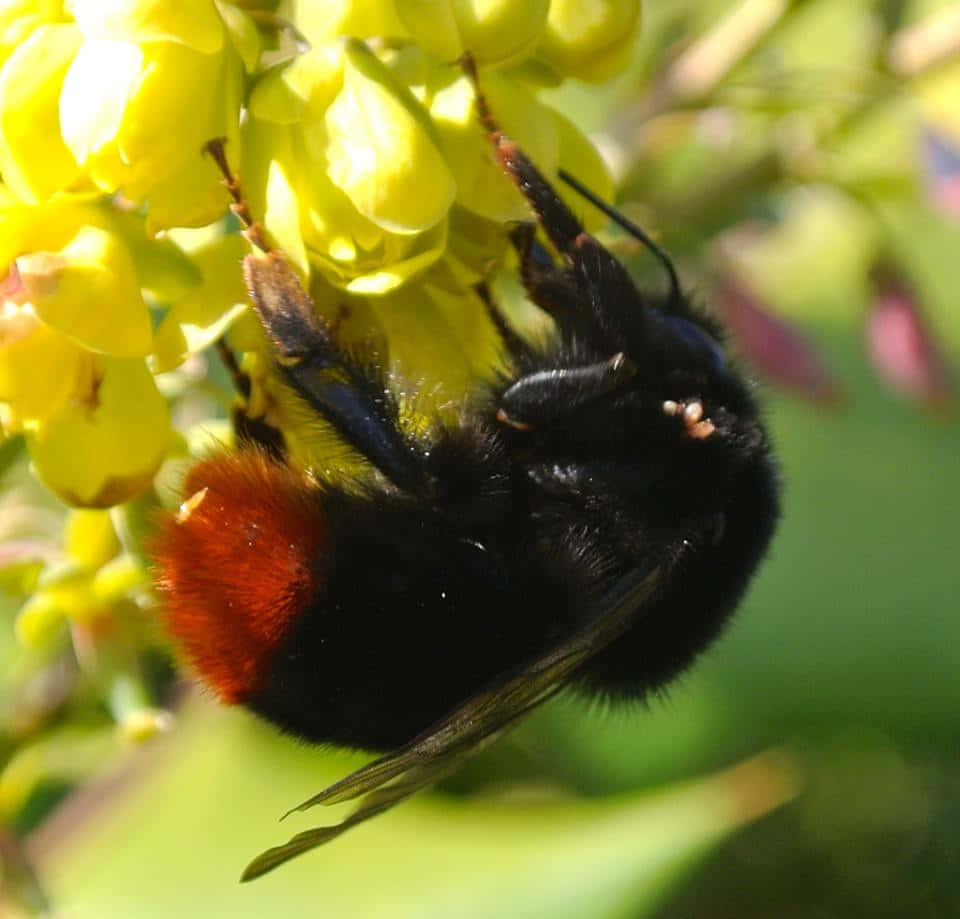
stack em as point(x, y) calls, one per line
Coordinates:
point(174, 840)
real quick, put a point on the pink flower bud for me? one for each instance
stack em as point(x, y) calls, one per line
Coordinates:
point(773, 346)
point(901, 348)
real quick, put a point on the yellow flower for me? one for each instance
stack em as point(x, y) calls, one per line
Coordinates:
point(550, 139)
point(107, 448)
point(65, 261)
point(151, 83)
point(345, 166)
point(381, 150)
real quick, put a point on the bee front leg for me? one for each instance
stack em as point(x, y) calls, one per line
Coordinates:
point(541, 397)
point(350, 394)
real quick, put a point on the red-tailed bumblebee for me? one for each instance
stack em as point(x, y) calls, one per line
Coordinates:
point(590, 522)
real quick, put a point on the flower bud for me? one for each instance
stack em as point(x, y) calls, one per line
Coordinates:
point(107, 447)
point(144, 724)
point(772, 345)
point(494, 32)
point(89, 538)
point(40, 621)
point(589, 39)
point(901, 347)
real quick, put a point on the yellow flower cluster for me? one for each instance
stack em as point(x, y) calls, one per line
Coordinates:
point(356, 138)
point(104, 107)
point(355, 134)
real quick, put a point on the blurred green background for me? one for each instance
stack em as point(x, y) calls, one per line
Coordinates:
point(843, 660)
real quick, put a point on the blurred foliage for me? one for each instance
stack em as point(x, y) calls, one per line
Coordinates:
point(780, 147)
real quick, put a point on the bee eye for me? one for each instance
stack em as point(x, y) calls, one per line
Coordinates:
point(695, 338)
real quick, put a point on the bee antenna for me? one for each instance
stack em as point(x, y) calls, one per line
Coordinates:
point(632, 228)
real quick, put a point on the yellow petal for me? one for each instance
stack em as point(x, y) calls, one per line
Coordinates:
point(18, 19)
point(108, 449)
point(193, 196)
point(90, 292)
point(162, 267)
point(434, 25)
point(89, 538)
point(40, 369)
point(195, 24)
point(201, 316)
point(380, 151)
point(474, 246)
point(463, 344)
point(418, 253)
point(269, 173)
point(320, 22)
point(34, 160)
point(122, 115)
point(95, 94)
point(301, 89)
point(243, 34)
point(48, 226)
point(482, 186)
point(494, 31)
point(580, 158)
point(69, 586)
point(154, 132)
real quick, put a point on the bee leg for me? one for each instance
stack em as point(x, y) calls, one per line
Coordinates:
point(539, 398)
point(603, 284)
point(548, 285)
point(351, 395)
point(554, 289)
point(248, 429)
point(517, 349)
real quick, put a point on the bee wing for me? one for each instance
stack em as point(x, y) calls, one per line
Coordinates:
point(477, 723)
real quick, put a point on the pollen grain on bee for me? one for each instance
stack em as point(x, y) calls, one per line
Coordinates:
point(190, 505)
point(693, 412)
